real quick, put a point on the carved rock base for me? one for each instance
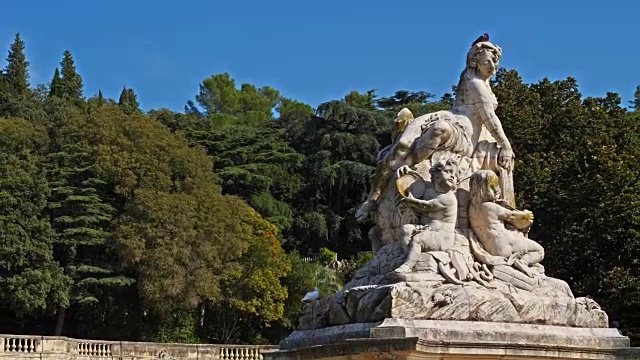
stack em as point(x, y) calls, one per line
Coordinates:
point(438, 301)
point(433, 339)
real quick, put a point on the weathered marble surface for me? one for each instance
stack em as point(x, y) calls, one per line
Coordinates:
point(551, 302)
point(453, 261)
point(433, 339)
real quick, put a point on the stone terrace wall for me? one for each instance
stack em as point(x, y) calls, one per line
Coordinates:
point(20, 347)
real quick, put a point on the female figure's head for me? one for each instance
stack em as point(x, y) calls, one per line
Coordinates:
point(483, 58)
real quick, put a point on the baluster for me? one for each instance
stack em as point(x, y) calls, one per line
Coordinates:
point(30, 345)
point(243, 351)
point(21, 342)
point(223, 353)
point(236, 354)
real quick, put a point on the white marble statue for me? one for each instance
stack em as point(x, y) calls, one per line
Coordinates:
point(438, 209)
point(501, 229)
point(448, 241)
point(470, 129)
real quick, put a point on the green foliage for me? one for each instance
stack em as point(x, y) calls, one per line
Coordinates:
point(327, 256)
point(340, 145)
point(16, 73)
point(128, 101)
point(56, 88)
point(357, 263)
point(71, 82)
point(576, 169)
point(31, 282)
point(193, 206)
point(304, 277)
point(253, 295)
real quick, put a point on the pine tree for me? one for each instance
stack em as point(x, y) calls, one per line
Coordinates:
point(71, 80)
point(128, 101)
point(56, 89)
point(17, 70)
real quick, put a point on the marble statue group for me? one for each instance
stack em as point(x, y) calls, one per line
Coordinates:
point(448, 242)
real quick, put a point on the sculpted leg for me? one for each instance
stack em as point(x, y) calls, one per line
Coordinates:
point(407, 232)
point(395, 158)
point(413, 254)
point(431, 140)
point(534, 254)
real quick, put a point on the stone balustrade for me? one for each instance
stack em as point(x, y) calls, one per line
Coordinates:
point(20, 347)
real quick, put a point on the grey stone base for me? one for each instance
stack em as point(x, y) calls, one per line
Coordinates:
point(435, 339)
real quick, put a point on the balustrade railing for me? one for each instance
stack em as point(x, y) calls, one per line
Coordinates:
point(20, 344)
point(62, 348)
point(94, 349)
point(240, 353)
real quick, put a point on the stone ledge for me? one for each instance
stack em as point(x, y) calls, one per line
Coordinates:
point(424, 339)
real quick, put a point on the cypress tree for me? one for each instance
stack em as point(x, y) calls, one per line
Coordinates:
point(17, 70)
point(56, 89)
point(71, 80)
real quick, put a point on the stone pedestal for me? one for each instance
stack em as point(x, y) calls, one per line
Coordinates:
point(438, 339)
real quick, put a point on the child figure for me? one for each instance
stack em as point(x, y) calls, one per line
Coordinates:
point(499, 228)
point(438, 210)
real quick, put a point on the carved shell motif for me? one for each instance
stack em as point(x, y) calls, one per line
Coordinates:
point(164, 354)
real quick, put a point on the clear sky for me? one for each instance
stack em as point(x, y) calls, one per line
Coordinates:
point(315, 51)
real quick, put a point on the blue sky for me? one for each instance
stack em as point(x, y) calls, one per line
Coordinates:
point(315, 51)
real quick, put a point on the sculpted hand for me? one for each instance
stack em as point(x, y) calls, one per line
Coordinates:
point(409, 199)
point(505, 159)
point(402, 171)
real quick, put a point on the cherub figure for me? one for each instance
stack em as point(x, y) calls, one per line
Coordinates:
point(500, 228)
point(438, 210)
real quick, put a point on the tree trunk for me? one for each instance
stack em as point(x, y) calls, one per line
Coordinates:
point(60, 322)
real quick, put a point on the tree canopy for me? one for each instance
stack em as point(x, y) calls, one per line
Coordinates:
point(197, 226)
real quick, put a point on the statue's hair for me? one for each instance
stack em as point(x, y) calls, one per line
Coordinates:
point(472, 60)
point(479, 185)
point(479, 48)
point(441, 164)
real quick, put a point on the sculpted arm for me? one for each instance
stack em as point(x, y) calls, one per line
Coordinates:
point(493, 124)
point(513, 215)
point(485, 110)
point(426, 206)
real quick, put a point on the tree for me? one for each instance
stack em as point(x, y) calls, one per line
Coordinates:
point(16, 72)
point(71, 82)
point(128, 101)
point(340, 145)
point(253, 296)
point(402, 98)
point(56, 88)
point(249, 151)
point(31, 280)
point(635, 103)
point(575, 170)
